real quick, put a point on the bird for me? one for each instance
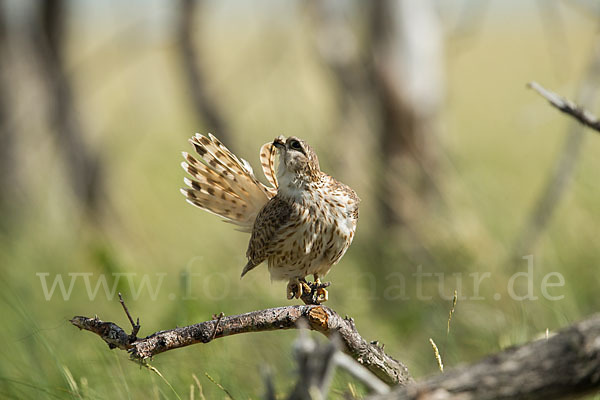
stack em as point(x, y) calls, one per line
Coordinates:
point(301, 224)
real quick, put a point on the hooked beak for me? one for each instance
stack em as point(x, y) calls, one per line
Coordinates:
point(279, 143)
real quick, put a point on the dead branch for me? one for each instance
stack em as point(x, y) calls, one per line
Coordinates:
point(567, 106)
point(564, 166)
point(565, 365)
point(317, 363)
point(319, 318)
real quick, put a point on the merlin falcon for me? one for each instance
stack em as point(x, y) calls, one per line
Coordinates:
point(302, 224)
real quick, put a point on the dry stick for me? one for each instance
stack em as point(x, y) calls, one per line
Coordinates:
point(317, 363)
point(320, 318)
point(565, 365)
point(563, 168)
point(567, 106)
point(350, 365)
point(218, 318)
point(315, 367)
point(135, 328)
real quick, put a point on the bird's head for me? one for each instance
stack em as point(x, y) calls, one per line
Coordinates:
point(298, 162)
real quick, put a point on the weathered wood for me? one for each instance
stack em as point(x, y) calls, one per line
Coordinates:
point(320, 318)
point(565, 365)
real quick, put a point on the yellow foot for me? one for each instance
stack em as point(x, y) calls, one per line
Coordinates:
point(322, 295)
point(297, 287)
point(314, 292)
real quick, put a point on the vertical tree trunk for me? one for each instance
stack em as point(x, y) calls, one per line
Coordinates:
point(206, 109)
point(83, 164)
point(7, 159)
point(336, 27)
point(407, 76)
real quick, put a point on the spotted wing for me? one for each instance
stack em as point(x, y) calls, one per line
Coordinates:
point(271, 224)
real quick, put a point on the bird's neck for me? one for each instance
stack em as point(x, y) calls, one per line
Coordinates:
point(294, 186)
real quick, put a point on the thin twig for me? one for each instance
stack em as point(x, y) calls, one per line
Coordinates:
point(567, 106)
point(135, 327)
point(218, 318)
point(564, 166)
point(361, 373)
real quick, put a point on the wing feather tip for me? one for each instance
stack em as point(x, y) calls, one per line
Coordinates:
point(188, 181)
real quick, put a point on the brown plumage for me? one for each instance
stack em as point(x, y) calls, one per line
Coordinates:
point(301, 226)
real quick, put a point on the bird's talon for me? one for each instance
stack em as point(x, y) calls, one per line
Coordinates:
point(292, 290)
point(295, 289)
point(318, 284)
point(322, 295)
point(305, 288)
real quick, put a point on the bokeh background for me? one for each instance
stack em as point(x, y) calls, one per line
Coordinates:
point(420, 106)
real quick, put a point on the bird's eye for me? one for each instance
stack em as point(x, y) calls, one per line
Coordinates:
point(294, 144)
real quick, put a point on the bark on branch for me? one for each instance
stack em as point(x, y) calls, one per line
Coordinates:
point(319, 318)
point(567, 106)
point(565, 365)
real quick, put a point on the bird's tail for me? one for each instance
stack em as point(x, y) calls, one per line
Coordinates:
point(224, 184)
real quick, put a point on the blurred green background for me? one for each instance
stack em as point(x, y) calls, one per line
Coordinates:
point(98, 102)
